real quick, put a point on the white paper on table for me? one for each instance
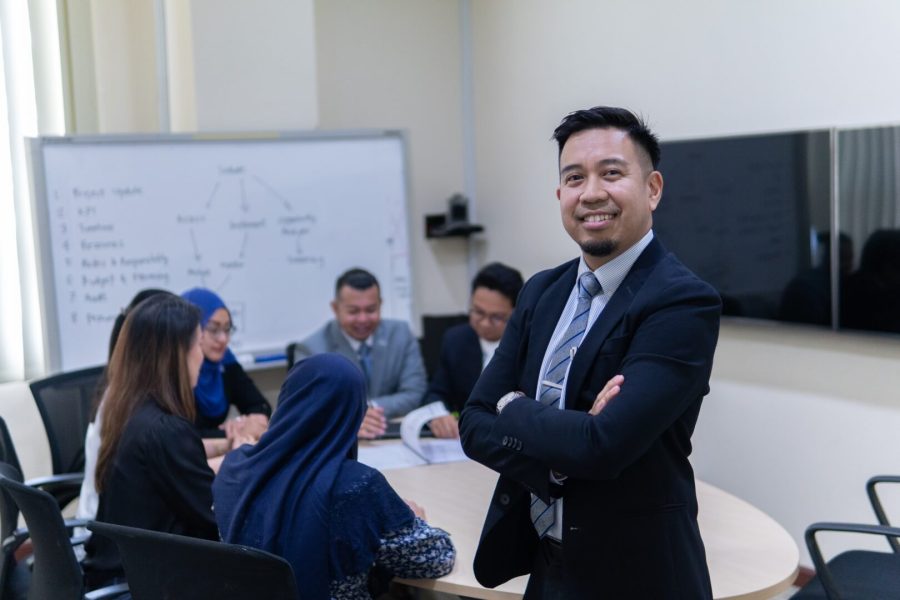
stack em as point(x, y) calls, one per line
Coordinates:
point(432, 451)
point(388, 456)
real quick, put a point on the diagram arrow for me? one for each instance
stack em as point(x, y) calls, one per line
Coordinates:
point(272, 191)
point(197, 254)
point(212, 195)
point(244, 204)
point(243, 245)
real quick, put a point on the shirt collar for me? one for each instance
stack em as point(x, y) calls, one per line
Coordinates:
point(612, 274)
point(355, 343)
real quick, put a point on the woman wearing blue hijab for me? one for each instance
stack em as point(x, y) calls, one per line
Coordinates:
point(223, 381)
point(301, 494)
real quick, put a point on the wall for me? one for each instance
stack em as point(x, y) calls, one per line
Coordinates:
point(396, 64)
point(797, 420)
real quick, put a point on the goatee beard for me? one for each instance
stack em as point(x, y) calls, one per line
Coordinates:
point(599, 249)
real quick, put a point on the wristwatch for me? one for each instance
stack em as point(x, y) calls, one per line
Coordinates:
point(506, 399)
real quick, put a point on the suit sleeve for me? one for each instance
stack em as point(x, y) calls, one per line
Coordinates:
point(666, 367)
point(479, 422)
point(439, 386)
point(412, 383)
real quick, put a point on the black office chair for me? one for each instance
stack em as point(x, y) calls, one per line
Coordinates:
point(64, 402)
point(433, 328)
point(13, 577)
point(856, 573)
point(62, 487)
point(290, 352)
point(55, 571)
point(163, 565)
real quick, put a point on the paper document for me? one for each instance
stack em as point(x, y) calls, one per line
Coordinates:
point(430, 450)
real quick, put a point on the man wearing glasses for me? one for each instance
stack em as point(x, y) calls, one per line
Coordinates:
point(467, 348)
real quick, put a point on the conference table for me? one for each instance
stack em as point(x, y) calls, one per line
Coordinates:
point(750, 556)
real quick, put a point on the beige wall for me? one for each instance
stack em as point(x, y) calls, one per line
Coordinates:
point(396, 64)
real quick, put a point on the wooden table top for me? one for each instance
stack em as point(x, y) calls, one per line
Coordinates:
point(750, 556)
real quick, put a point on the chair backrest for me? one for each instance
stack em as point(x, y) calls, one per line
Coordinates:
point(289, 353)
point(64, 402)
point(55, 571)
point(433, 328)
point(9, 519)
point(8, 453)
point(164, 565)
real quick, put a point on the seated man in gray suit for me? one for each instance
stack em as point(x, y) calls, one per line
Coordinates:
point(385, 350)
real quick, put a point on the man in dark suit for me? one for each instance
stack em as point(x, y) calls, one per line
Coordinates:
point(588, 406)
point(466, 348)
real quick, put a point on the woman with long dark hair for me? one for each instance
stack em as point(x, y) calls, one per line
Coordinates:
point(151, 469)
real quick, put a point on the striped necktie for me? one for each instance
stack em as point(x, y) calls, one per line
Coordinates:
point(365, 361)
point(544, 515)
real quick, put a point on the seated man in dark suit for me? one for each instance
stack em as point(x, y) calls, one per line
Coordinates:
point(384, 349)
point(467, 348)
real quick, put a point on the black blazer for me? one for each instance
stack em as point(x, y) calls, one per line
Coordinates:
point(630, 506)
point(458, 368)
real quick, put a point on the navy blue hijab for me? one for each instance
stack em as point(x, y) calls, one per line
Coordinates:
point(210, 390)
point(298, 493)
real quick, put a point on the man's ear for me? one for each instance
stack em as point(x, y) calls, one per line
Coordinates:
point(334, 307)
point(654, 188)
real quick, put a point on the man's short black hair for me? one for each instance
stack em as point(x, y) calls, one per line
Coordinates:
point(609, 117)
point(499, 278)
point(358, 279)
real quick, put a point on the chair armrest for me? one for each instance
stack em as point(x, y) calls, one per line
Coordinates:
point(64, 480)
point(876, 503)
point(815, 553)
point(110, 591)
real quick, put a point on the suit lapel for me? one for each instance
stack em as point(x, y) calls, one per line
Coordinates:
point(612, 314)
point(543, 322)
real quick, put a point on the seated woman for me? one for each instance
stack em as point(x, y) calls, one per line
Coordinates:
point(88, 497)
point(223, 381)
point(151, 469)
point(301, 494)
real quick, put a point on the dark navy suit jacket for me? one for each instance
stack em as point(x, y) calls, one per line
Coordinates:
point(630, 505)
point(458, 368)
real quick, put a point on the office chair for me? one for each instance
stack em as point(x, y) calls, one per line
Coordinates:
point(433, 328)
point(856, 573)
point(62, 487)
point(13, 577)
point(64, 402)
point(289, 352)
point(55, 571)
point(164, 565)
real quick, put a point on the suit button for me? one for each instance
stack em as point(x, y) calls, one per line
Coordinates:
point(518, 445)
point(504, 499)
point(506, 440)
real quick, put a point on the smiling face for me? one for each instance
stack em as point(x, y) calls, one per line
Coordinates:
point(358, 312)
point(607, 193)
point(216, 335)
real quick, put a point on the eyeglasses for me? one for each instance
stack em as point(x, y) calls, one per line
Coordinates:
point(494, 319)
point(216, 331)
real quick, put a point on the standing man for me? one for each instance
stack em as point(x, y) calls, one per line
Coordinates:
point(385, 350)
point(468, 347)
point(596, 496)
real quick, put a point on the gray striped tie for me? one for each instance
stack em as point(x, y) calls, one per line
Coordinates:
point(544, 515)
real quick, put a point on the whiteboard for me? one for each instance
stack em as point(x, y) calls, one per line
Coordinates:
point(266, 222)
